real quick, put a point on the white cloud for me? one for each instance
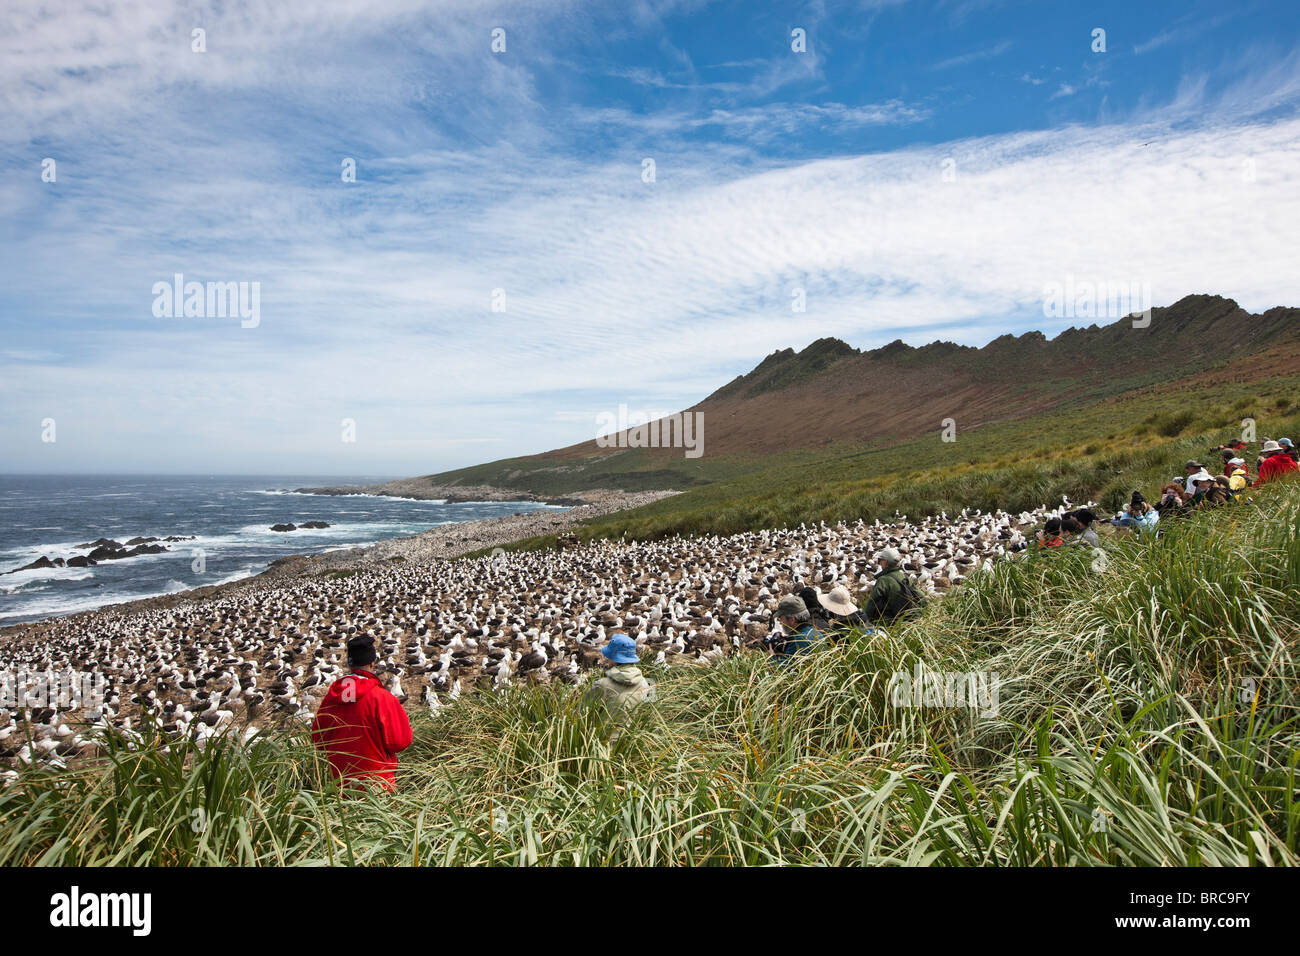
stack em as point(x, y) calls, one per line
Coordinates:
point(375, 295)
point(974, 56)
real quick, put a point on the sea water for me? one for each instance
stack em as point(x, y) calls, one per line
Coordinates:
point(229, 517)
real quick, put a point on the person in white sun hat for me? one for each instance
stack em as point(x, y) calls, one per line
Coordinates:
point(841, 613)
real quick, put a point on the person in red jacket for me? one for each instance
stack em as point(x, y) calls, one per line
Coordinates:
point(1275, 462)
point(360, 726)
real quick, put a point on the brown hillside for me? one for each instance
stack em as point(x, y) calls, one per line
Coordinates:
point(832, 392)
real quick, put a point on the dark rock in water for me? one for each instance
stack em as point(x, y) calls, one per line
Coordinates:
point(314, 524)
point(284, 527)
point(81, 561)
point(102, 543)
point(41, 562)
point(135, 541)
point(179, 537)
point(116, 554)
point(145, 549)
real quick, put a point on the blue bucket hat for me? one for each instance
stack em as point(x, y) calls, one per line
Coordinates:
point(1285, 442)
point(621, 649)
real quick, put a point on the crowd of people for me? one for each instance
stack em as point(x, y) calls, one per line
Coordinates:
point(361, 727)
point(808, 616)
point(1198, 489)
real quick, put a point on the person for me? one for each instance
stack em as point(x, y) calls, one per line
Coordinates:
point(839, 611)
point(1173, 501)
point(1139, 515)
point(1238, 481)
point(796, 634)
point(360, 725)
point(623, 686)
point(818, 616)
point(1235, 465)
point(1072, 531)
point(1144, 516)
point(1191, 468)
point(1292, 452)
point(1220, 492)
point(1199, 485)
point(1049, 536)
point(1274, 462)
point(893, 594)
point(1228, 457)
point(1086, 518)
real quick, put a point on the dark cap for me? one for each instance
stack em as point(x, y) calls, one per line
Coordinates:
point(791, 606)
point(361, 650)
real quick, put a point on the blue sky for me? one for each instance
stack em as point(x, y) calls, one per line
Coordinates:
point(1168, 159)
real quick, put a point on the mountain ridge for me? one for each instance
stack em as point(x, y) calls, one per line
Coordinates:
point(830, 392)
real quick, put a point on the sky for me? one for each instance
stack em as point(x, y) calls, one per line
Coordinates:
point(563, 207)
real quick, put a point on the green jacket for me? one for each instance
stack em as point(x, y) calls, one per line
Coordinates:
point(622, 688)
point(888, 598)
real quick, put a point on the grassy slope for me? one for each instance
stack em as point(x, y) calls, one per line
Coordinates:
point(1147, 715)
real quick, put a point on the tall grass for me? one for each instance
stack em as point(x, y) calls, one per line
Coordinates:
point(1147, 716)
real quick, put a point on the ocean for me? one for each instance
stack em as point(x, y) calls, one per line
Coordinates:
point(229, 517)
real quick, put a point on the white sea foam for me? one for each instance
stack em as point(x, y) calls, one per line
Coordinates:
point(19, 580)
point(312, 494)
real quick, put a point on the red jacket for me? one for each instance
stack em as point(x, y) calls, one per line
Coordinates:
point(1278, 463)
point(362, 728)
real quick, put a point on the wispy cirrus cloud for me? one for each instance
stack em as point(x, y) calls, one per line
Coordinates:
point(974, 56)
point(1183, 29)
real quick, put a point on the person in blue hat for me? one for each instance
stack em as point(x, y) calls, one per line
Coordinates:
point(623, 686)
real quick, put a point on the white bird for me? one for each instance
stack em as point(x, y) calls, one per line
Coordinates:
point(431, 699)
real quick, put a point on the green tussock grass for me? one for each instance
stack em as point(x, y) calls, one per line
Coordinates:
point(1147, 715)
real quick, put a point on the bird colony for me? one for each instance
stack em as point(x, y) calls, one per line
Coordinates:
point(266, 652)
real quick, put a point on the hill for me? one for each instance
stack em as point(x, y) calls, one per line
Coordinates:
point(831, 394)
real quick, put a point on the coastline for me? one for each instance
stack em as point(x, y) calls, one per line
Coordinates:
point(419, 489)
point(440, 543)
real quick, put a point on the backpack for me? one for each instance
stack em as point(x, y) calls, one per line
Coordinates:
point(914, 599)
